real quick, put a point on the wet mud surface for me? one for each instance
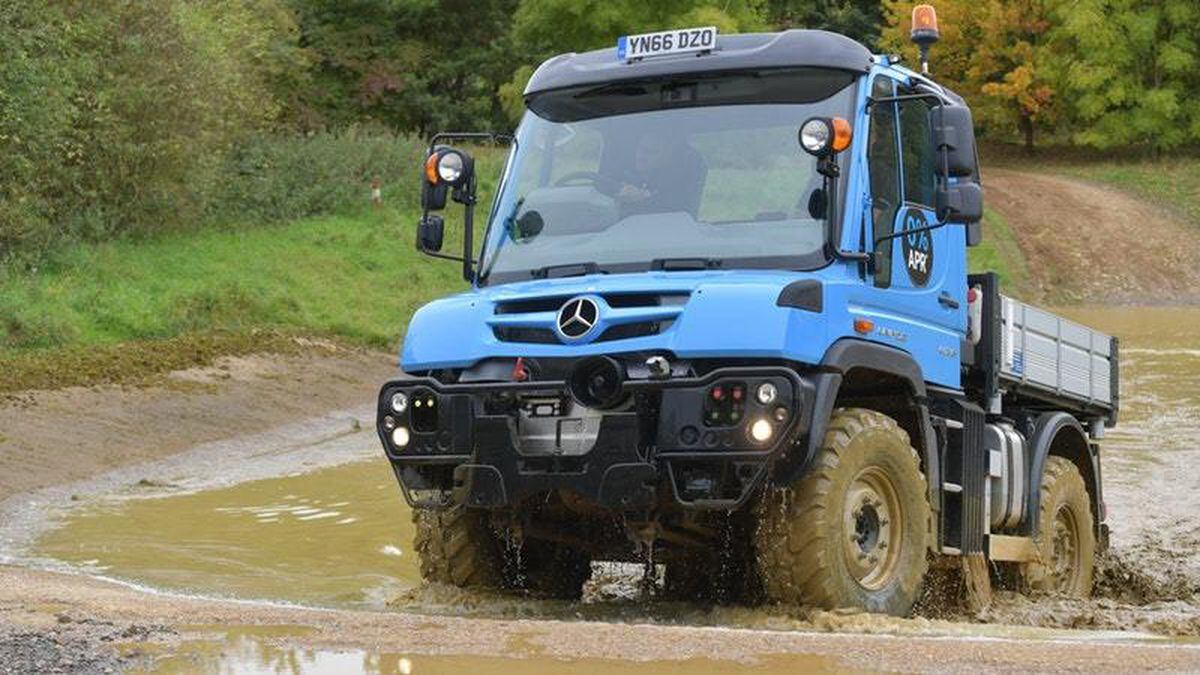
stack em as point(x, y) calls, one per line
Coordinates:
point(340, 537)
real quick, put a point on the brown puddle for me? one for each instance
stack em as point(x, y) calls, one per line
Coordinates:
point(260, 649)
point(338, 536)
point(342, 536)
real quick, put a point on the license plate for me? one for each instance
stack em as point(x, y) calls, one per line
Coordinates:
point(662, 43)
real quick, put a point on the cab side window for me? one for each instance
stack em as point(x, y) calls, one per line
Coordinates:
point(920, 173)
point(883, 163)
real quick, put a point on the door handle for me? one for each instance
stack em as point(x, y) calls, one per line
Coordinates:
point(946, 300)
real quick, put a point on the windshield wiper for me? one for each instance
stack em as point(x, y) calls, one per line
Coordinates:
point(685, 264)
point(566, 270)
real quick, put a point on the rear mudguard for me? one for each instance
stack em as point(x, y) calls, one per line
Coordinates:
point(1047, 429)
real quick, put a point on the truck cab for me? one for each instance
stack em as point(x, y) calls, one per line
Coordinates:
point(721, 323)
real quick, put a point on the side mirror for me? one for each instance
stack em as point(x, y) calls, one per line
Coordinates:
point(953, 137)
point(960, 203)
point(433, 197)
point(430, 232)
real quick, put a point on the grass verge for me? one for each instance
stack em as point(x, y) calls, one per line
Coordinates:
point(1000, 253)
point(136, 361)
point(357, 277)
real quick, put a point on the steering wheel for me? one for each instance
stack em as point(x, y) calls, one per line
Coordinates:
point(602, 183)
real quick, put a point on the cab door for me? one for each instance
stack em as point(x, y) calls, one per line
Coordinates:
point(920, 277)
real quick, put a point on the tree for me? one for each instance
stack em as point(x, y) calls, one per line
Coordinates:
point(858, 19)
point(410, 64)
point(996, 53)
point(1131, 69)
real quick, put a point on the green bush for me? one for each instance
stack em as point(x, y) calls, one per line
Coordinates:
point(274, 178)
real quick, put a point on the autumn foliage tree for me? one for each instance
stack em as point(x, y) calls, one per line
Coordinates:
point(996, 54)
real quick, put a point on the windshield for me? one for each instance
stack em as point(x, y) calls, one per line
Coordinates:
point(666, 175)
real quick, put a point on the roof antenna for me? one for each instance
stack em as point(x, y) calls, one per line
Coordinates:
point(924, 32)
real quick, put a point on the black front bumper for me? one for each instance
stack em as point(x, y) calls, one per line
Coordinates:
point(461, 449)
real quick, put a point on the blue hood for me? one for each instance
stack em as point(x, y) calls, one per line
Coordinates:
point(727, 314)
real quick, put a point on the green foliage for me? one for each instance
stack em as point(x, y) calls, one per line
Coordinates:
point(287, 176)
point(1132, 70)
point(415, 65)
point(115, 117)
point(858, 19)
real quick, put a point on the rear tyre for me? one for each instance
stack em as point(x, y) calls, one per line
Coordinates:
point(853, 532)
point(458, 546)
point(1066, 540)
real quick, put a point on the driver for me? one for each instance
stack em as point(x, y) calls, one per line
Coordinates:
point(668, 175)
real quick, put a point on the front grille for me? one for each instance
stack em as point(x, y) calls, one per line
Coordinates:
point(616, 300)
point(633, 330)
point(538, 335)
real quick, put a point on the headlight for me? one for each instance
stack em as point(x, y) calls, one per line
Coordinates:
point(815, 135)
point(400, 437)
point(399, 402)
point(761, 431)
point(825, 136)
point(450, 167)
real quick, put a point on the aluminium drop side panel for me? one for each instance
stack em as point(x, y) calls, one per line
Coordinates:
point(1048, 356)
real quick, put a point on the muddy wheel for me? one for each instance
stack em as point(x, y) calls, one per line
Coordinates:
point(555, 570)
point(1066, 541)
point(853, 532)
point(457, 546)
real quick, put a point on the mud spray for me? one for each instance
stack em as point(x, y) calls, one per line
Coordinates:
point(341, 536)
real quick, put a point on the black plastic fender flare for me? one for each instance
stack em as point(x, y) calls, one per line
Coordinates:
point(841, 357)
point(1046, 429)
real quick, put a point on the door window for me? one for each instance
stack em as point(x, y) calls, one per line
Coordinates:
point(883, 160)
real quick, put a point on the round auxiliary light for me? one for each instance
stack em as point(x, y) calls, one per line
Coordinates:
point(766, 393)
point(389, 423)
point(450, 167)
point(399, 402)
point(400, 437)
point(761, 431)
point(816, 136)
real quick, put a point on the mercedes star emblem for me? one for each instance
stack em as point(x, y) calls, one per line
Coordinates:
point(577, 318)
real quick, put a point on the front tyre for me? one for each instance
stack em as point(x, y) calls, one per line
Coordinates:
point(1066, 540)
point(853, 532)
point(457, 546)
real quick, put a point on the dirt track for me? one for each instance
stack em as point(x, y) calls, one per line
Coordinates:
point(1085, 243)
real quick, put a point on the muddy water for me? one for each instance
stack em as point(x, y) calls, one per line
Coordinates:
point(343, 537)
point(339, 536)
point(269, 649)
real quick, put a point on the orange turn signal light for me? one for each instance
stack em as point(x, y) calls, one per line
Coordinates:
point(863, 326)
point(431, 168)
point(841, 134)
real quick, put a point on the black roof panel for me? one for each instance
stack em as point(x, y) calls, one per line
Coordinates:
point(748, 51)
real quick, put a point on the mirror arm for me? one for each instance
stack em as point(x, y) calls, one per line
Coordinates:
point(468, 262)
point(901, 233)
point(828, 167)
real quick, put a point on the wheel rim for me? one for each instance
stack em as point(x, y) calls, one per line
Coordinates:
point(1064, 544)
point(874, 525)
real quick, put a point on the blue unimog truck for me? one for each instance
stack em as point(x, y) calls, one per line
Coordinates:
point(721, 323)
